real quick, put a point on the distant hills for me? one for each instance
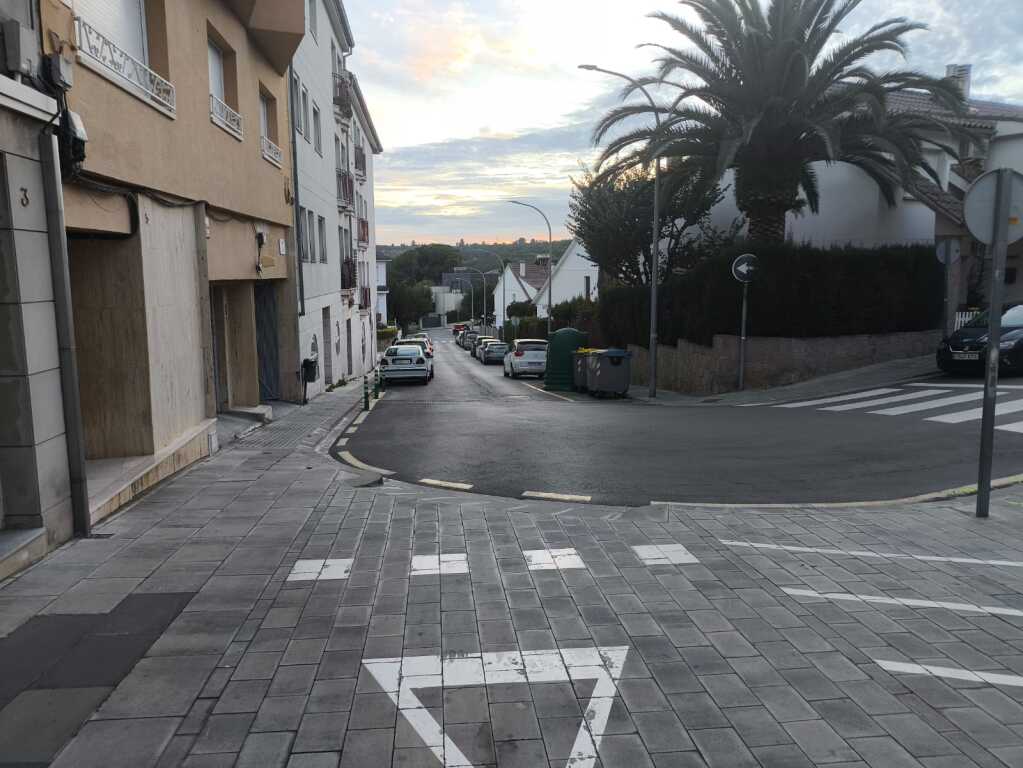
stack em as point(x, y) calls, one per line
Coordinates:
point(485, 256)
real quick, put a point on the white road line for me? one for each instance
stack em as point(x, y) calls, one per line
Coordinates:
point(342, 441)
point(544, 496)
point(664, 554)
point(552, 394)
point(446, 484)
point(943, 385)
point(993, 610)
point(929, 405)
point(887, 400)
point(349, 459)
point(320, 570)
point(440, 565)
point(952, 673)
point(868, 553)
point(351, 430)
point(1012, 406)
point(1016, 427)
point(837, 399)
point(362, 416)
point(552, 559)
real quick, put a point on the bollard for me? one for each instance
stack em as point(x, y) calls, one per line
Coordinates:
point(383, 381)
point(365, 393)
point(376, 384)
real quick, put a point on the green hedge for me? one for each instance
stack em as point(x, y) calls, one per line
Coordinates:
point(800, 292)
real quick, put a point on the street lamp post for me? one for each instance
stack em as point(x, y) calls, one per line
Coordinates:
point(483, 277)
point(472, 296)
point(655, 250)
point(550, 262)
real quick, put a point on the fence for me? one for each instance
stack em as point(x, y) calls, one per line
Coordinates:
point(962, 318)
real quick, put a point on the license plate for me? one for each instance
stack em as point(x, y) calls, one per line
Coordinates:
point(966, 355)
point(403, 362)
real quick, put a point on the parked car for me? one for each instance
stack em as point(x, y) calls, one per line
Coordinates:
point(469, 338)
point(965, 350)
point(405, 362)
point(457, 328)
point(476, 343)
point(493, 352)
point(427, 348)
point(526, 357)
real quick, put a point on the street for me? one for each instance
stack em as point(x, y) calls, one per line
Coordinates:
point(473, 427)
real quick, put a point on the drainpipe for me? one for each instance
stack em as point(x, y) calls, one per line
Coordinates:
point(61, 278)
point(294, 183)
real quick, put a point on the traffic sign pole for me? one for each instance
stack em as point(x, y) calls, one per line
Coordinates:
point(999, 246)
point(742, 338)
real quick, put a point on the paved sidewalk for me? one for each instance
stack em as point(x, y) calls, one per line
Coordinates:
point(258, 610)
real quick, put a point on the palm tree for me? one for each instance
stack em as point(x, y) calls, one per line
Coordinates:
point(767, 93)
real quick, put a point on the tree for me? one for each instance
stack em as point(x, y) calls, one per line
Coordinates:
point(612, 216)
point(767, 93)
point(423, 263)
point(521, 309)
point(410, 302)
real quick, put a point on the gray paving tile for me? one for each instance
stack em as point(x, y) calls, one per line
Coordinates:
point(514, 721)
point(914, 735)
point(662, 732)
point(139, 743)
point(722, 748)
point(756, 727)
point(38, 723)
point(223, 733)
point(321, 732)
point(279, 713)
point(884, 752)
point(363, 748)
point(820, 742)
point(265, 750)
point(528, 753)
point(159, 687)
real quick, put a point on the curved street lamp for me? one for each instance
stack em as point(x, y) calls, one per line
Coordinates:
point(550, 262)
point(483, 277)
point(655, 250)
point(472, 295)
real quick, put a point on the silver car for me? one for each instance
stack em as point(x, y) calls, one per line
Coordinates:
point(405, 362)
point(493, 352)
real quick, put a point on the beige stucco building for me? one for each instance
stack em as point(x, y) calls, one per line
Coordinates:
point(179, 224)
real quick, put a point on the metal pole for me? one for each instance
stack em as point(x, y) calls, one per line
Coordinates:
point(999, 246)
point(742, 338)
point(550, 275)
point(365, 392)
point(654, 264)
point(504, 300)
point(947, 248)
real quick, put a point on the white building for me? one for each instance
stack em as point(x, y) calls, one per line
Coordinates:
point(574, 276)
point(335, 141)
point(519, 282)
point(446, 299)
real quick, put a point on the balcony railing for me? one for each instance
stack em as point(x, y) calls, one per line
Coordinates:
point(363, 233)
point(271, 151)
point(365, 297)
point(345, 189)
point(343, 95)
point(221, 114)
point(349, 275)
point(102, 54)
point(360, 161)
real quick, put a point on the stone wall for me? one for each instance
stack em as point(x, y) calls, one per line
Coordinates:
point(773, 362)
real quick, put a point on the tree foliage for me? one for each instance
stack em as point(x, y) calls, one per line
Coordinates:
point(768, 92)
point(410, 301)
point(612, 216)
point(425, 263)
point(521, 309)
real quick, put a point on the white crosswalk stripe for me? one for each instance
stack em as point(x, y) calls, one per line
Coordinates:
point(959, 401)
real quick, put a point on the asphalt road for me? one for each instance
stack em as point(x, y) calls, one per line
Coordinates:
point(504, 437)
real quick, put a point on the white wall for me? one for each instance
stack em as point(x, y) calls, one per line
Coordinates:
point(508, 291)
point(569, 278)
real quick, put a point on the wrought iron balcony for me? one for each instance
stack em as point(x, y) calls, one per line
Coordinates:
point(343, 95)
point(221, 114)
point(349, 275)
point(345, 190)
point(360, 161)
point(363, 233)
point(271, 152)
point(99, 52)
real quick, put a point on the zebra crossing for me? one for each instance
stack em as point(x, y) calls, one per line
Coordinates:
point(932, 401)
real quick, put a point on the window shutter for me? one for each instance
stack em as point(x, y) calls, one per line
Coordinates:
point(123, 21)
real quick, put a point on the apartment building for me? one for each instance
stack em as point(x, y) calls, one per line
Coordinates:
point(178, 211)
point(334, 142)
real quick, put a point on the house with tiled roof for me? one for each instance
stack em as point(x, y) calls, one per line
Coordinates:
point(519, 282)
point(853, 211)
point(574, 276)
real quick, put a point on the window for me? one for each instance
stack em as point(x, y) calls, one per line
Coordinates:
point(586, 282)
point(267, 116)
point(323, 239)
point(337, 152)
point(302, 247)
point(312, 17)
point(317, 133)
point(311, 234)
point(123, 21)
point(216, 61)
point(333, 57)
point(296, 102)
point(223, 76)
point(305, 113)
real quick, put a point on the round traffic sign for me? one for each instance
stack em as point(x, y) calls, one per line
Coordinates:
point(979, 207)
point(745, 267)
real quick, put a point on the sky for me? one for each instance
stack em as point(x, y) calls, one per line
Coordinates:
point(481, 101)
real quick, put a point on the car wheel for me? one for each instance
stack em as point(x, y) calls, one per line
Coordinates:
point(505, 372)
point(513, 374)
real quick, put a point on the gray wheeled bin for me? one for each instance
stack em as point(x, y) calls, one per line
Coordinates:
point(609, 372)
point(579, 365)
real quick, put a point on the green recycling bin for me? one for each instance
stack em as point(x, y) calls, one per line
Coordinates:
point(560, 376)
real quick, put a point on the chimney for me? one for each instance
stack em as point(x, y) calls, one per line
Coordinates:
point(522, 269)
point(962, 74)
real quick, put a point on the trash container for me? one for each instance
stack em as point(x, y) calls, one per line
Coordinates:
point(560, 375)
point(609, 372)
point(579, 359)
point(590, 364)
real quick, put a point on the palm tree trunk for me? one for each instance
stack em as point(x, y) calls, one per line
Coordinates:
point(767, 225)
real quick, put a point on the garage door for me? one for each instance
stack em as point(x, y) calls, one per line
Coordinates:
point(123, 21)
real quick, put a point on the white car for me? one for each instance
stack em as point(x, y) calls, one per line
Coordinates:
point(423, 344)
point(526, 357)
point(405, 362)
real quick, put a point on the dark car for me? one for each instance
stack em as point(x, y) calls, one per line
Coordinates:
point(965, 350)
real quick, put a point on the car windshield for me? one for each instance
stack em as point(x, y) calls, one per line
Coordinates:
point(532, 347)
point(403, 351)
point(1011, 318)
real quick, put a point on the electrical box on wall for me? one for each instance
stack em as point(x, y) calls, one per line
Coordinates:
point(19, 51)
point(282, 247)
